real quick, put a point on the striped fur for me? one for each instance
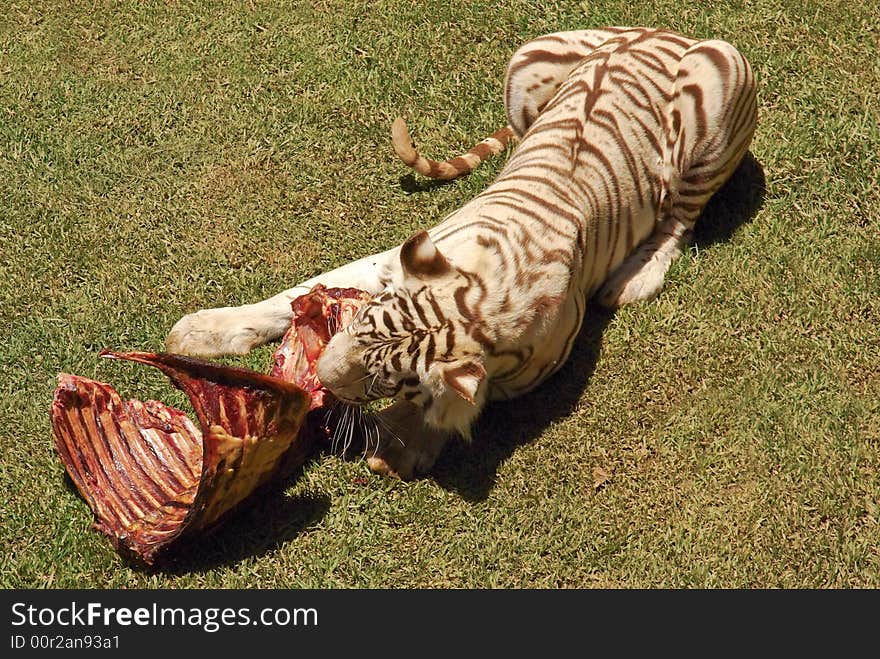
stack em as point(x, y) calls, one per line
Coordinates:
point(454, 167)
point(625, 134)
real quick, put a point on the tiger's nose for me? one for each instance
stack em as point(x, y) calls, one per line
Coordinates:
point(340, 370)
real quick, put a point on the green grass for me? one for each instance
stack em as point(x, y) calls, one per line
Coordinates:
point(157, 158)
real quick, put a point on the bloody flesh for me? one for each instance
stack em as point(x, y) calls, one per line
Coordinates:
point(317, 316)
point(151, 475)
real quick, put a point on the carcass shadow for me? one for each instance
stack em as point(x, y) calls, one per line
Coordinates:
point(470, 469)
point(269, 520)
point(264, 521)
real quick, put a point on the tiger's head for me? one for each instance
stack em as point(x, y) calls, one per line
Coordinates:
point(413, 341)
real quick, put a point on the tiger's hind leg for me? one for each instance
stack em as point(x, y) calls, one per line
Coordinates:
point(538, 69)
point(711, 120)
point(641, 275)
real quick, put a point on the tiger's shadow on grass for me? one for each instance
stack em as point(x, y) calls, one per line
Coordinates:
point(470, 469)
point(410, 185)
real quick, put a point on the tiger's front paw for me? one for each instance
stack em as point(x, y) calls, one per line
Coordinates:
point(405, 463)
point(213, 332)
point(407, 448)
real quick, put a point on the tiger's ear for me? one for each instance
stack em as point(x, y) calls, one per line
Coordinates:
point(465, 377)
point(420, 258)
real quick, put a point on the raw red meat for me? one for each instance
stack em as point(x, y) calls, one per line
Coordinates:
point(317, 316)
point(151, 475)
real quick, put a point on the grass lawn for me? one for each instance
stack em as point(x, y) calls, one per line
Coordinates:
point(161, 157)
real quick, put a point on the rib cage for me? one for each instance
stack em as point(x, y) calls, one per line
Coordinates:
point(149, 473)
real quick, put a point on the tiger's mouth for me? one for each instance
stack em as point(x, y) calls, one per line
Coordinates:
point(317, 317)
point(344, 394)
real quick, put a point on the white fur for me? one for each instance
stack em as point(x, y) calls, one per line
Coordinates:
point(236, 330)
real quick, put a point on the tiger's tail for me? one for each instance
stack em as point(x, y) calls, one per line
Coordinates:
point(454, 167)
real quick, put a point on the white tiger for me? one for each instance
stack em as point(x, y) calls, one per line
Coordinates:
point(625, 135)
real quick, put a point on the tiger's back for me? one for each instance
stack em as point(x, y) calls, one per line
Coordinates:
point(595, 174)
